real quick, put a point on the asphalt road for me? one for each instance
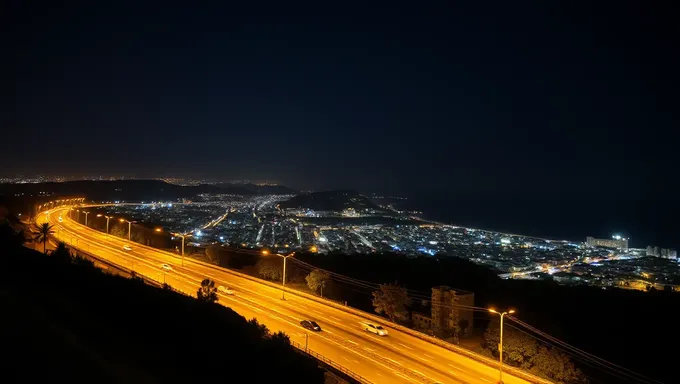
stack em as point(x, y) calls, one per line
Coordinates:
point(396, 358)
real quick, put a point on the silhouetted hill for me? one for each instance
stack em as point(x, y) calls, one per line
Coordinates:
point(69, 322)
point(331, 201)
point(259, 189)
point(128, 190)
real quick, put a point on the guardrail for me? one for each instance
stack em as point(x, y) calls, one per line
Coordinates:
point(330, 363)
point(454, 348)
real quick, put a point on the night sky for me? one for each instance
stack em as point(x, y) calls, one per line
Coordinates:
point(568, 99)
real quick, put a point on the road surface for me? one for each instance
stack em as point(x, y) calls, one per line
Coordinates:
point(396, 358)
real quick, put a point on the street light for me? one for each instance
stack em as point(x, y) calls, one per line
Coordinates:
point(283, 287)
point(500, 346)
point(107, 221)
point(182, 235)
point(129, 227)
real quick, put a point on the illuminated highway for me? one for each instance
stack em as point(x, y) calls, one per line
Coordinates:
point(396, 358)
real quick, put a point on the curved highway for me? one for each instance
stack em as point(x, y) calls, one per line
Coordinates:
point(396, 358)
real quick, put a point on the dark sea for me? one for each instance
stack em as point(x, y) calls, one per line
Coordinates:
point(643, 222)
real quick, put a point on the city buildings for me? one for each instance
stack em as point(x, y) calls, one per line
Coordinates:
point(616, 242)
point(451, 310)
point(662, 252)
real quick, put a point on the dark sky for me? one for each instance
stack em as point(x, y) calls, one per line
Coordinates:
point(564, 98)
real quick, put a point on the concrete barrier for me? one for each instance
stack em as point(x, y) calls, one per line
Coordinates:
point(454, 348)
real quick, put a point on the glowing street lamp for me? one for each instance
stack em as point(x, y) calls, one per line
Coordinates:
point(129, 227)
point(182, 235)
point(285, 257)
point(107, 221)
point(500, 346)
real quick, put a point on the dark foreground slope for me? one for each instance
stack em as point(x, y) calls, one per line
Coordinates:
point(71, 322)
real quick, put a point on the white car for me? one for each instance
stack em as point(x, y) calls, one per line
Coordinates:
point(61, 219)
point(127, 248)
point(225, 290)
point(166, 267)
point(377, 329)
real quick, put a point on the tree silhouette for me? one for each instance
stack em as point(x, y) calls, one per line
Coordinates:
point(119, 231)
point(207, 293)
point(11, 238)
point(44, 232)
point(521, 350)
point(269, 269)
point(392, 300)
point(62, 253)
point(317, 280)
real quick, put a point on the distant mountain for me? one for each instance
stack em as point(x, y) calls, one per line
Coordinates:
point(259, 189)
point(127, 190)
point(331, 201)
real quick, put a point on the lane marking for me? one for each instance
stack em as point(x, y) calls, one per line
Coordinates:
point(487, 380)
point(426, 355)
point(453, 373)
point(350, 360)
point(405, 346)
point(104, 245)
point(395, 362)
point(350, 341)
point(453, 366)
point(405, 377)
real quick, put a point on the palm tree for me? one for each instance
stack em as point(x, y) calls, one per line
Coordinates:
point(44, 232)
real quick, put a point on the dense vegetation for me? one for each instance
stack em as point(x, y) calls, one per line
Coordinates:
point(618, 325)
point(621, 326)
point(64, 320)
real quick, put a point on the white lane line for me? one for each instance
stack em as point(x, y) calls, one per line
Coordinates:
point(335, 318)
point(350, 341)
point(454, 367)
point(395, 362)
point(424, 359)
point(418, 372)
point(487, 380)
point(426, 355)
point(369, 349)
point(405, 346)
point(453, 373)
point(405, 377)
point(350, 360)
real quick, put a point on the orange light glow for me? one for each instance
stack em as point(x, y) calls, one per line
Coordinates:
point(265, 252)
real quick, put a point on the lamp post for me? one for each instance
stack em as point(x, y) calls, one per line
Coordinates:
point(86, 213)
point(500, 345)
point(182, 235)
point(129, 227)
point(285, 257)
